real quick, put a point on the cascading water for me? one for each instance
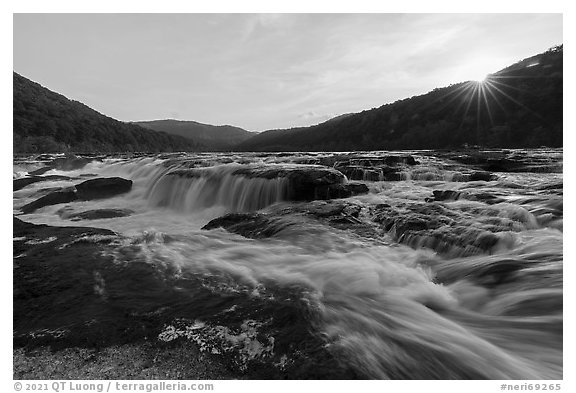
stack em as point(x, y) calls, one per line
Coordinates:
point(391, 284)
point(216, 186)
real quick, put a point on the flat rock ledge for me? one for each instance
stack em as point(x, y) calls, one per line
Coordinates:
point(88, 190)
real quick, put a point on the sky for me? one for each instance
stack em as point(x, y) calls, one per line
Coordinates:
point(266, 71)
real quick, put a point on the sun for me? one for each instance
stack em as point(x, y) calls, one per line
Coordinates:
point(478, 69)
point(479, 77)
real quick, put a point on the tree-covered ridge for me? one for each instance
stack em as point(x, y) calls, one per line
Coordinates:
point(45, 121)
point(212, 137)
point(519, 106)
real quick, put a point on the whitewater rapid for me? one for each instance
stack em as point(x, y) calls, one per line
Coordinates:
point(387, 303)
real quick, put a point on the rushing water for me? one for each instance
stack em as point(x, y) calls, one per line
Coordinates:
point(398, 286)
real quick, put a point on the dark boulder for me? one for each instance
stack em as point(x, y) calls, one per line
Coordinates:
point(103, 188)
point(394, 176)
point(99, 214)
point(356, 188)
point(336, 191)
point(321, 184)
point(481, 176)
point(19, 184)
point(395, 160)
point(250, 225)
point(53, 198)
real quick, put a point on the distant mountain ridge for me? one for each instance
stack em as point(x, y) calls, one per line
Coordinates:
point(45, 121)
point(519, 106)
point(210, 136)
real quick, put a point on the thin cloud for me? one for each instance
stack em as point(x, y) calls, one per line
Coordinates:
point(264, 71)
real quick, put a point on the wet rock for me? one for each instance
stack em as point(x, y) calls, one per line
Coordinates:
point(339, 214)
point(372, 161)
point(405, 159)
point(382, 173)
point(357, 188)
point(451, 195)
point(98, 214)
point(446, 231)
point(250, 225)
point(71, 292)
point(507, 161)
point(486, 198)
point(394, 176)
point(305, 182)
point(88, 190)
point(341, 190)
point(481, 176)
point(321, 209)
point(18, 184)
point(103, 188)
point(375, 168)
point(45, 157)
point(553, 186)
point(53, 198)
point(40, 171)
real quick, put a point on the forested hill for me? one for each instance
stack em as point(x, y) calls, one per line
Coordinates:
point(45, 121)
point(212, 137)
point(519, 106)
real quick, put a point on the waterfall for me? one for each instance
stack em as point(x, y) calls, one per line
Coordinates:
point(202, 188)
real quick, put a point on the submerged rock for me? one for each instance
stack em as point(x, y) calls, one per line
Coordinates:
point(53, 198)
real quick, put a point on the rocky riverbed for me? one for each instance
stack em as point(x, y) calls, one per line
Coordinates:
point(387, 265)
